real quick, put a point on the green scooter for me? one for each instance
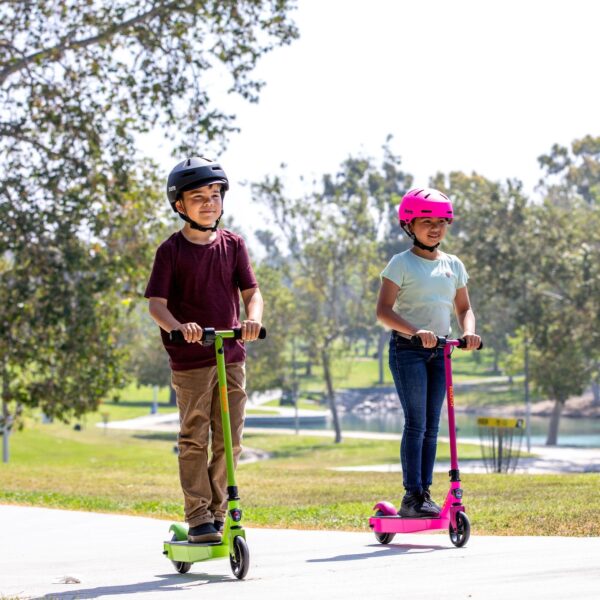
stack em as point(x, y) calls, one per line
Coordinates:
point(233, 544)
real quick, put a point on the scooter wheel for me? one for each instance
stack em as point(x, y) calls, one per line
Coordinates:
point(383, 538)
point(460, 536)
point(240, 559)
point(180, 567)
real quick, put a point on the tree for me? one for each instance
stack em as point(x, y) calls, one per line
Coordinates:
point(488, 235)
point(572, 181)
point(79, 82)
point(572, 174)
point(267, 364)
point(330, 238)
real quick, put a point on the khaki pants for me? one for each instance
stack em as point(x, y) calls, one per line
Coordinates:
point(204, 482)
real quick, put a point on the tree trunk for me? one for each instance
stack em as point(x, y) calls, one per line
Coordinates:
point(331, 395)
point(5, 429)
point(552, 438)
point(383, 338)
point(596, 392)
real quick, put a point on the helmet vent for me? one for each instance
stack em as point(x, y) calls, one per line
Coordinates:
point(188, 174)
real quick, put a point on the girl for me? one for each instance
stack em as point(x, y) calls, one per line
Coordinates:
point(419, 287)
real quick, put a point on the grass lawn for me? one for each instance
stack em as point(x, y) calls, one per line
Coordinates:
point(122, 472)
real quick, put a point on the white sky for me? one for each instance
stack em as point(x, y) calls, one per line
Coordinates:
point(467, 85)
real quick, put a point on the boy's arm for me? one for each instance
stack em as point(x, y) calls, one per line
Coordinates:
point(253, 307)
point(192, 332)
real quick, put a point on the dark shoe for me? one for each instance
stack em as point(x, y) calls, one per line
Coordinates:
point(219, 526)
point(413, 507)
point(428, 501)
point(203, 533)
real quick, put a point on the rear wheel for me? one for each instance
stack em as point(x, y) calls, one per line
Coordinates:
point(383, 538)
point(180, 567)
point(460, 536)
point(240, 559)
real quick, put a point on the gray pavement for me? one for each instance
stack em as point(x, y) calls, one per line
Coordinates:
point(116, 556)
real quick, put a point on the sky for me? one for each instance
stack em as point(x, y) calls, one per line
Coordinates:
point(475, 86)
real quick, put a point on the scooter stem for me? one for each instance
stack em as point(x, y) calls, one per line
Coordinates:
point(450, 401)
point(222, 377)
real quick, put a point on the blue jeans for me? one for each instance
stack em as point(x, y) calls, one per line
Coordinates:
point(420, 381)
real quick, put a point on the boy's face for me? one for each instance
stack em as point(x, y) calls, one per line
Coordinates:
point(203, 205)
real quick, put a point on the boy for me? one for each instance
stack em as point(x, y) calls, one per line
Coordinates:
point(197, 278)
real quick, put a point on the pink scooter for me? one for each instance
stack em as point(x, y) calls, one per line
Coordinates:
point(386, 523)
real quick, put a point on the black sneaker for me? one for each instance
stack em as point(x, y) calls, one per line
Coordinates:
point(219, 525)
point(428, 501)
point(413, 507)
point(201, 534)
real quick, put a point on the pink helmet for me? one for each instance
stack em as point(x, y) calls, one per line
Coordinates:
point(424, 202)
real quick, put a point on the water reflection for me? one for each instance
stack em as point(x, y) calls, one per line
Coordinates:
point(572, 432)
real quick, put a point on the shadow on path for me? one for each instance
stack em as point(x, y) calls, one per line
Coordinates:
point(388, 550)
point(164, 583)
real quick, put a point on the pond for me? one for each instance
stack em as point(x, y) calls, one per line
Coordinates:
point(584, 432)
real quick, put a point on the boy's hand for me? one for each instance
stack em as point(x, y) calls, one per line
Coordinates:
point(192, 332)
point(250, 330)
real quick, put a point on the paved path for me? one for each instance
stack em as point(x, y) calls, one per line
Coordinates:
point(116, 556)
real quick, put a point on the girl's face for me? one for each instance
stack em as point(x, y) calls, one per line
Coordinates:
point(203, 205)
point(429, 231)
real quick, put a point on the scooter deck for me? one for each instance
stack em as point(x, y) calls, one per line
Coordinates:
point(396, 524)
point(187, 552)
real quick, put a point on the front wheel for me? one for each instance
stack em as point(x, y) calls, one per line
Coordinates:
point(460, 536)
point(240, 559)
point(383, 538)
point(180, 567)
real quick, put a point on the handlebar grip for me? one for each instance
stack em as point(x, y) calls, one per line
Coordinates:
point(463, 344)
point(415, 340)
point(238, 333)
point(177, 336)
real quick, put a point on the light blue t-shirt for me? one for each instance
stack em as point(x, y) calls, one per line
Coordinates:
point(427, 289)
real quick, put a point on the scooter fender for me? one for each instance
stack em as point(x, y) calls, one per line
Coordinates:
point(453, 511)
point(387, 508)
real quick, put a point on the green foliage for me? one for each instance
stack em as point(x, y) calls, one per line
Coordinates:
point(330, 238)
point(79, 212)
point(267, 367)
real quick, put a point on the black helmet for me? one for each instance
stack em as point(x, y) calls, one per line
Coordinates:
point(192, 173)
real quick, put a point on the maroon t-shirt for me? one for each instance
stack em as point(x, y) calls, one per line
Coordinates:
point(201, 284)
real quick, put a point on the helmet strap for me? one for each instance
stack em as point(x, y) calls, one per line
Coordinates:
point(416, 242)
point(419, 244)
point(195, 225)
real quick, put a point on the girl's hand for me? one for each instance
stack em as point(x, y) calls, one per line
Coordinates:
point(192, 332)
point(473, 341)
point(250, 330)
point(428, 338)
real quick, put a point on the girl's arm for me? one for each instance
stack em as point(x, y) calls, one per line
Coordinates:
point(386, 315)
point(253, 307)
point(466, 318)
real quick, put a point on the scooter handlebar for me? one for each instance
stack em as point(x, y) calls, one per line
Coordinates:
point(441, 342)
point(208, 332)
